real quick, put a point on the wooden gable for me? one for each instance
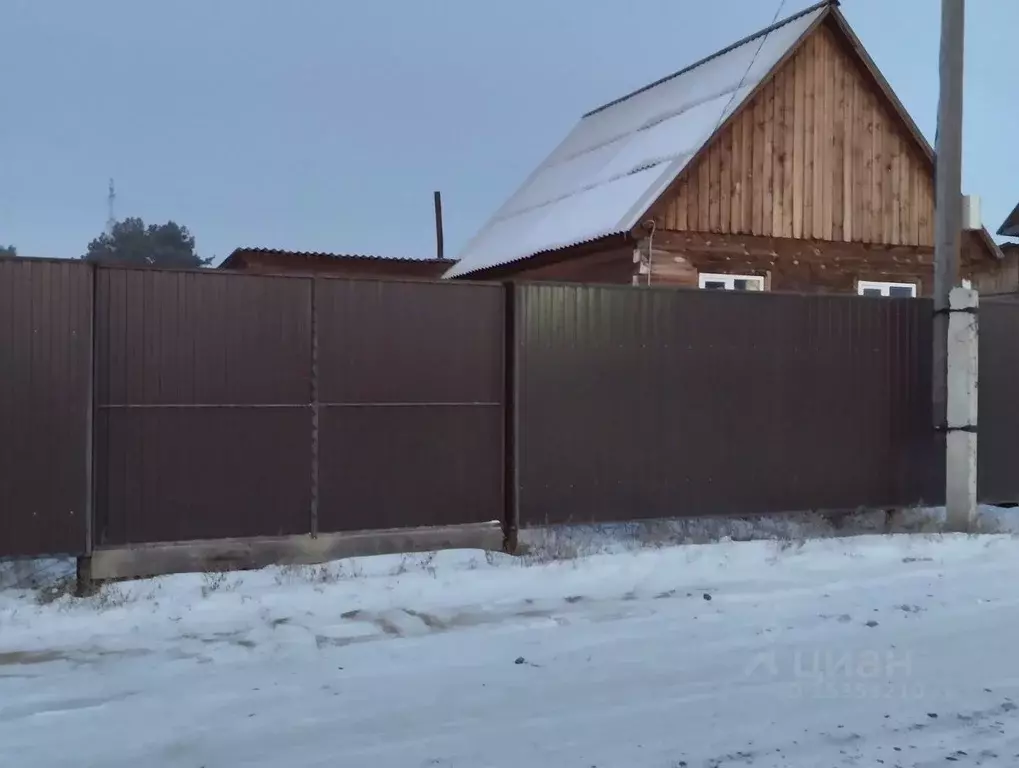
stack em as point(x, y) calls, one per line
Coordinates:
point(820, 152)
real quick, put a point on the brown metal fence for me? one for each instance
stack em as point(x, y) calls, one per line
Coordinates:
point(998, 435)
point(662, 403)
point(143, 406)
point(235, 405)
point(203, 406)
point(45, 411)
point(410, 400)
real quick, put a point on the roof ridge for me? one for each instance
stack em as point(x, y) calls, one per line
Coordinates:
point(750, 38)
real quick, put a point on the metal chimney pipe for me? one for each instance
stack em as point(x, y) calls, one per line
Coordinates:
point(438, 225)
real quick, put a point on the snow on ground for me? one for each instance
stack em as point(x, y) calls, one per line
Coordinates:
point(872, 650)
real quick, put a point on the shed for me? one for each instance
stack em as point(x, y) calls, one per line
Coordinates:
point(276, 261)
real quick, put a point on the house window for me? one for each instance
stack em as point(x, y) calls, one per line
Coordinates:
point(719, 282)
point(888, 290)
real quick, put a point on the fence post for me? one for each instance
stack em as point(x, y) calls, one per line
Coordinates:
point(511, 390)
point(84, 564)
point(961, 421)
point(313, 524)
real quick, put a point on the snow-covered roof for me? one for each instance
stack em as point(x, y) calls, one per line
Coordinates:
point(619, 158)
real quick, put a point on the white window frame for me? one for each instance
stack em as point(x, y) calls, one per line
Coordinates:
point(729, 280)
point(884, 287)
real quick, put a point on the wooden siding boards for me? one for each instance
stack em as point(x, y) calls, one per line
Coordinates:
point(787, 264)
point(818, 153)
point(809, 266)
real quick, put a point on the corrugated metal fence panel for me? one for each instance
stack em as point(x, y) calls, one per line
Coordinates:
point(659, 403)
point(196, 338)
point(204, 419)
point(411, 391)
point(998, 429)
point(45, 351)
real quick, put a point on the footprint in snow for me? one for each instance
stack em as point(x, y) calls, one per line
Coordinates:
point(844, 618)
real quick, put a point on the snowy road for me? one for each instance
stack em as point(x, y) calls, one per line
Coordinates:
point(870, 651)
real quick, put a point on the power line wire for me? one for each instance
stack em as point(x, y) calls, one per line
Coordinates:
point(742, 80)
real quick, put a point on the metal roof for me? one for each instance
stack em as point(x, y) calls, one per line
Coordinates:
point(619, 158)
point(1011, 226)
point(238, 252)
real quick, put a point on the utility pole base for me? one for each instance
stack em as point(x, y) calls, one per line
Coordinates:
point(960, 482)
point(961, 422)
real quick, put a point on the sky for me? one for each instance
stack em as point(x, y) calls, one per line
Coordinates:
point(327, 124)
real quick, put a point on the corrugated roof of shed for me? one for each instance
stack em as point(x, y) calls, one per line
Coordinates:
point(239, 252)
point(620, 157)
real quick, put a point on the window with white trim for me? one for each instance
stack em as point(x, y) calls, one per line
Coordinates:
point(720, 282)
point(888, 290)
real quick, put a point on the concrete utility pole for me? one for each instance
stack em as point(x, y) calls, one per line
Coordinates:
point(954, 398)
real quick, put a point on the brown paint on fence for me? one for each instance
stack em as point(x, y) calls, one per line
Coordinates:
point(234, 405)
point(203, 418)
point(217, 420)
point(45, 348)
point(998, 435)
point(411, 402)
point(661, 403)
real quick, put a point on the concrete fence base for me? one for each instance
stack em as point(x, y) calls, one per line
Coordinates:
point(144, 560)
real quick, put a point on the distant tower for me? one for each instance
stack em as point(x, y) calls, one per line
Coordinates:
point(111, 219)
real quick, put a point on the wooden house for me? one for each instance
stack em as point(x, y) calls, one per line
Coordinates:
point(1006, 281)
point(273, 261)
point(783, 162)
